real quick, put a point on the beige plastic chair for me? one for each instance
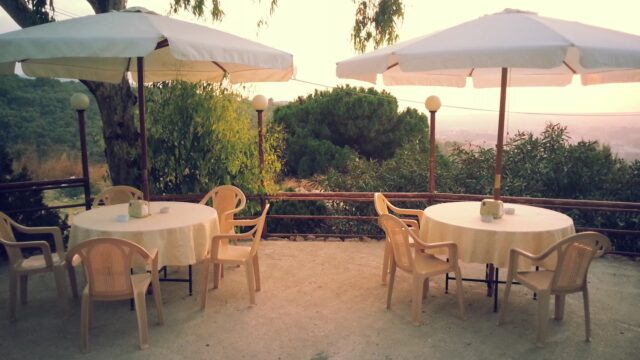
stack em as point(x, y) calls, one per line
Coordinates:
point(120, 194)
point(221, 253)
point(573, 257)
point(107, 265)
point(419, 264)
point(21, 267)
point(383, 206)
point(228, 200)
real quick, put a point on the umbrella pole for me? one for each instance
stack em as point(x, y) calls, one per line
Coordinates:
point(143, 129)
point(499, 145)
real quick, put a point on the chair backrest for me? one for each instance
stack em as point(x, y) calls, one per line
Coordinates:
point(255, 245)
point(107, 264)
point(7, 238)
point(380, 203)
point(574, 255)
point(120, 194)
point(224, 199)
point(398, 234)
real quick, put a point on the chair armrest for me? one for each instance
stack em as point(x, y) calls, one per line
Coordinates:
point(414, 212)
point(245, 222)
point(42, 245)
point(419, 244)
point(245, 235)
point(52, 230)
point(153, 253)
point(411, 223)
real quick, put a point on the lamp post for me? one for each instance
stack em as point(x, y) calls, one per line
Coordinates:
point(260, 103)
point(432, 104)
point(80, 103)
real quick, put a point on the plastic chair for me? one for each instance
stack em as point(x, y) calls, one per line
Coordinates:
point(573, 257)
point(107, 265)
point(120, 194)
point(419, 264)
point(221, 253)
point(21, 267)
point(383, 206)
point(227, 200)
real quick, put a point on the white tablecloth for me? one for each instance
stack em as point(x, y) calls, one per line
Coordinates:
point(182, 236)
point(531, 229)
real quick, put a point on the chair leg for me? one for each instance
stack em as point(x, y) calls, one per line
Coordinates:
point(256, 271)
point(559, 307)
point(73, 281)
point(24, 281)
point(392, 280)
point(416, 302)
point(13, 296)
point(61, 287)
point(385, 261)
point(157, 297)
point(85, 314)
point(205, 283)
point(543, 316)
point(505, 299)
point(459, 291)
point(217, 274)
point(251, 282)
point(141, 316)
point(587, 315)
point(425, 288)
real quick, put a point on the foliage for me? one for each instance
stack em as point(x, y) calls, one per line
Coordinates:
point(375, 21)
point(24, 200)
point(201, 135)
point(37, 120)
point(548, 166)
point(326, 129)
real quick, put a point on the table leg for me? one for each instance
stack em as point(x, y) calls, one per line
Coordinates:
point(489, 278)
point(446, 281)
point(495, 291)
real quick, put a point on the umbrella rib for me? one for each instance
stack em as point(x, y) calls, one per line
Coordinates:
point(162, 44)
point(471, 72)
point(569, 67)
point(220, 66)
point(392, 66)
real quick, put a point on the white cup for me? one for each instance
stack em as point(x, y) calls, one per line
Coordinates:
point(509, 211)
point(487, 218)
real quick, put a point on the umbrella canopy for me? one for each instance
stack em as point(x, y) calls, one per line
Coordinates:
point(526, 49)
point(105, 47)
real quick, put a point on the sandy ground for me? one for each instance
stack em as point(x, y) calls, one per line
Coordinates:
point(325, 301)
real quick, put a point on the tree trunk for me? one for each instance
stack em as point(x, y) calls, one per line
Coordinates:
point(121, 136)
point(116, 101)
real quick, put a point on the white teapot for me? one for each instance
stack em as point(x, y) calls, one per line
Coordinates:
point(139, 208)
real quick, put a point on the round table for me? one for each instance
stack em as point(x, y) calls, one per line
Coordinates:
point(182, 235)
point(530, 228)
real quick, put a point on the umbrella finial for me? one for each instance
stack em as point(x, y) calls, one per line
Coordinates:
point(139, 9)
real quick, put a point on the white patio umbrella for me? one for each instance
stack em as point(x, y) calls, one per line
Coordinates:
point(105, 47)
point(512, 47)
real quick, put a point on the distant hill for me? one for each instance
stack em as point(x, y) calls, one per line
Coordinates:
point(621, 133)
point(35, 117)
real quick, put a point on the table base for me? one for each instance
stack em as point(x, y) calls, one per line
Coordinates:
point(189, 279)
point(492, 281)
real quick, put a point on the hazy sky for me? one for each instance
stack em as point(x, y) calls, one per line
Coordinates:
point(317, 33)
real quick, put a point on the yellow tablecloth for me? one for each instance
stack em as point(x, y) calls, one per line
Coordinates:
point(531, 229)
point(182, 236)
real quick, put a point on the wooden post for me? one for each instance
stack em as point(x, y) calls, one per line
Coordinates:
point(500, 143)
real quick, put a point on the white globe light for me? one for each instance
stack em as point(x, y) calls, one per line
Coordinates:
point(260, 103)
point(433, 103)
point(79, 101)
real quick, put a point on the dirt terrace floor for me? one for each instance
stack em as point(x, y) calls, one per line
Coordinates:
point(325, 301)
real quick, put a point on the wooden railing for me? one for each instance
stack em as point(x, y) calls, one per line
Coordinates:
point(430, 198)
